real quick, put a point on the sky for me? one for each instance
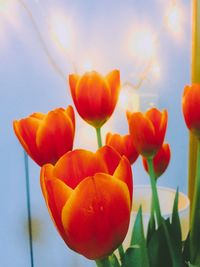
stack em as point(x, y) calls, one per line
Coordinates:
point(41, 43)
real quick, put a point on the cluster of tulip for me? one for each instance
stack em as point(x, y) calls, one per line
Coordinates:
point(96, 188)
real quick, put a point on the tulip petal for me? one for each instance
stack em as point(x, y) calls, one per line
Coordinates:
point(123, 145)
point(190, 106)
point(76, 165)
point(143, 134)
point(123, 172)
point(38, 115)
point(155, 116)
point(116, 142)
point(56, 195)
point(130, 150)
point(110, 156)
point(163, 126)
point(70, 116)
point(93, 98)
point(160, 160)
point(113, 79)
point(96, 217)
point(73, 80)
point(26, 130)
point(57, 128)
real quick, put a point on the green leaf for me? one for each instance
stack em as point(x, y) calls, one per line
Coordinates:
point(191, 265)
point(151, 228)
point(113, 261)
point(158, 249)
point(186, 249)
point(160, 244)
point(137, 236)
point(175, 243)
point(134, 257)
point(175, 225)
point(137, 254)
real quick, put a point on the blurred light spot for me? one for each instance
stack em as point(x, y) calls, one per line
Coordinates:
point(142, 44)
point(87, 66)
point(85, 137)
point(128, 100)
point(61, 31)
point(155, 70)
point(174, 21)
point(9, 19)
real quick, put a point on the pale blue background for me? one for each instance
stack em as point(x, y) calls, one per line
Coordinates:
point(29, 83)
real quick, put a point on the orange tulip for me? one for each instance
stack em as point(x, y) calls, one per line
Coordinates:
point(95, 96)
point(46, 137)
point(123, 145)
point(160, 161)
point(148, 130)
point(89, 199)
point(191, 108)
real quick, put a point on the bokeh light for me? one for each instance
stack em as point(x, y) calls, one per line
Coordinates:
point(142, 44)
point(174, 21)
point(61, 30)
point(87, 65)
point(9, 19)
point(128, 99)
point(155, 70)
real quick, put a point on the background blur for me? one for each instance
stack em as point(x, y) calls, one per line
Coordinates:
point(41, 42)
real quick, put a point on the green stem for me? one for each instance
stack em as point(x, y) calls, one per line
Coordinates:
point(152, 215)
point(155, 199)
point(26, 166)
point(195, 216)
point(103, 263)
point(156, 206)
point(99, 140)
point(121, 252)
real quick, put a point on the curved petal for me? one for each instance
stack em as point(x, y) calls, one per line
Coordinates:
point(69, 112)
point(93, 98)
point(123, 145)
point(55, 135)
point(76, 165)
point(38, 115)
point(159, 121)
point(130, 150)
point(102, 205)
point(123, 172)
point(56, 195)
point(163, 127)
point(116, 141)
point(143, 133)
point(25, 130)
point(73, 80)
point(110, 156)
point(128, 115)
point(190, 106)
point(155, 116)
point(160, 161)
point(113, 79)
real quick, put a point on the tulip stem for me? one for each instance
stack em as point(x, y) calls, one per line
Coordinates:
point(103, 263)
point(99, 140)
point(195, 216)
point(155, 199)
point(156, 206)
point(28, 207)
point(121, 252)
